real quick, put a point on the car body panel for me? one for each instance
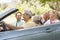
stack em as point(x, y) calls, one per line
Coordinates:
point(38, 33)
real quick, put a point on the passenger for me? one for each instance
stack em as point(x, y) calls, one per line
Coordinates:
point(45, 17)
point(53, 18)
point(37, 19)
point(27, 18)
point(18, 21)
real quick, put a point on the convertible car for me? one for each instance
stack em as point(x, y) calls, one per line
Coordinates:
point(44, 32)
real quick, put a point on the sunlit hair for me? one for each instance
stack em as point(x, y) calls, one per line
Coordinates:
point(55, 13)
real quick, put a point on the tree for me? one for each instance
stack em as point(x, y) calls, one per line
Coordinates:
point(54, 4)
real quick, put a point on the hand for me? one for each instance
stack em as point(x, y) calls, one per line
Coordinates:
point(1, 28)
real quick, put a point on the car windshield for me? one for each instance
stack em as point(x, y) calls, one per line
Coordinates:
point(9, 19)
point(7, 16)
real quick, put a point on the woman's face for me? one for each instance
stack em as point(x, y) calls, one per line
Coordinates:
point(51, 14)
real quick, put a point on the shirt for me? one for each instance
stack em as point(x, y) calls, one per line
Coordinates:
point(51, 22)
point(29, 24)
point(18, 23)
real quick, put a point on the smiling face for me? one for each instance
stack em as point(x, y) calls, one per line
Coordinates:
point(46, 16)
point(18, 16)
point(53, 14)
point(26, 17)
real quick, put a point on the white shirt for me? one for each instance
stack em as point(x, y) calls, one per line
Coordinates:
point(51, 22)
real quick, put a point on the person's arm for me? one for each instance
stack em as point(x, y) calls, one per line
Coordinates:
point(13, 27)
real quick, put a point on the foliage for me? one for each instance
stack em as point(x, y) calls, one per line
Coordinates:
point(54, 4)
point(34, 6)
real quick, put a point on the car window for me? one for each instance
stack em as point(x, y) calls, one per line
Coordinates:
point(9, 18)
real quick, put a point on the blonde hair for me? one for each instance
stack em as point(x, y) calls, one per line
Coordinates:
point(55, 13)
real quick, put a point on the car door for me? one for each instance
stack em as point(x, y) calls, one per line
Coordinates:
point(48, 32)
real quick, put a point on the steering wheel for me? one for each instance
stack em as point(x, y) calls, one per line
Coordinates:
point(2, 24)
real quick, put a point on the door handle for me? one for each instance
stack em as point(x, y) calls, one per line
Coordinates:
point(48, 30)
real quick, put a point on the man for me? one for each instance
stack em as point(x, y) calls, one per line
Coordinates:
point(27, 18)
point(18, 21)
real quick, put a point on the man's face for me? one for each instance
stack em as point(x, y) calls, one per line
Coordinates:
point(18, 16)
point(25, 16)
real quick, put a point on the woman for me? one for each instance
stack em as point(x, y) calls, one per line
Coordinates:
point(53, 17)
